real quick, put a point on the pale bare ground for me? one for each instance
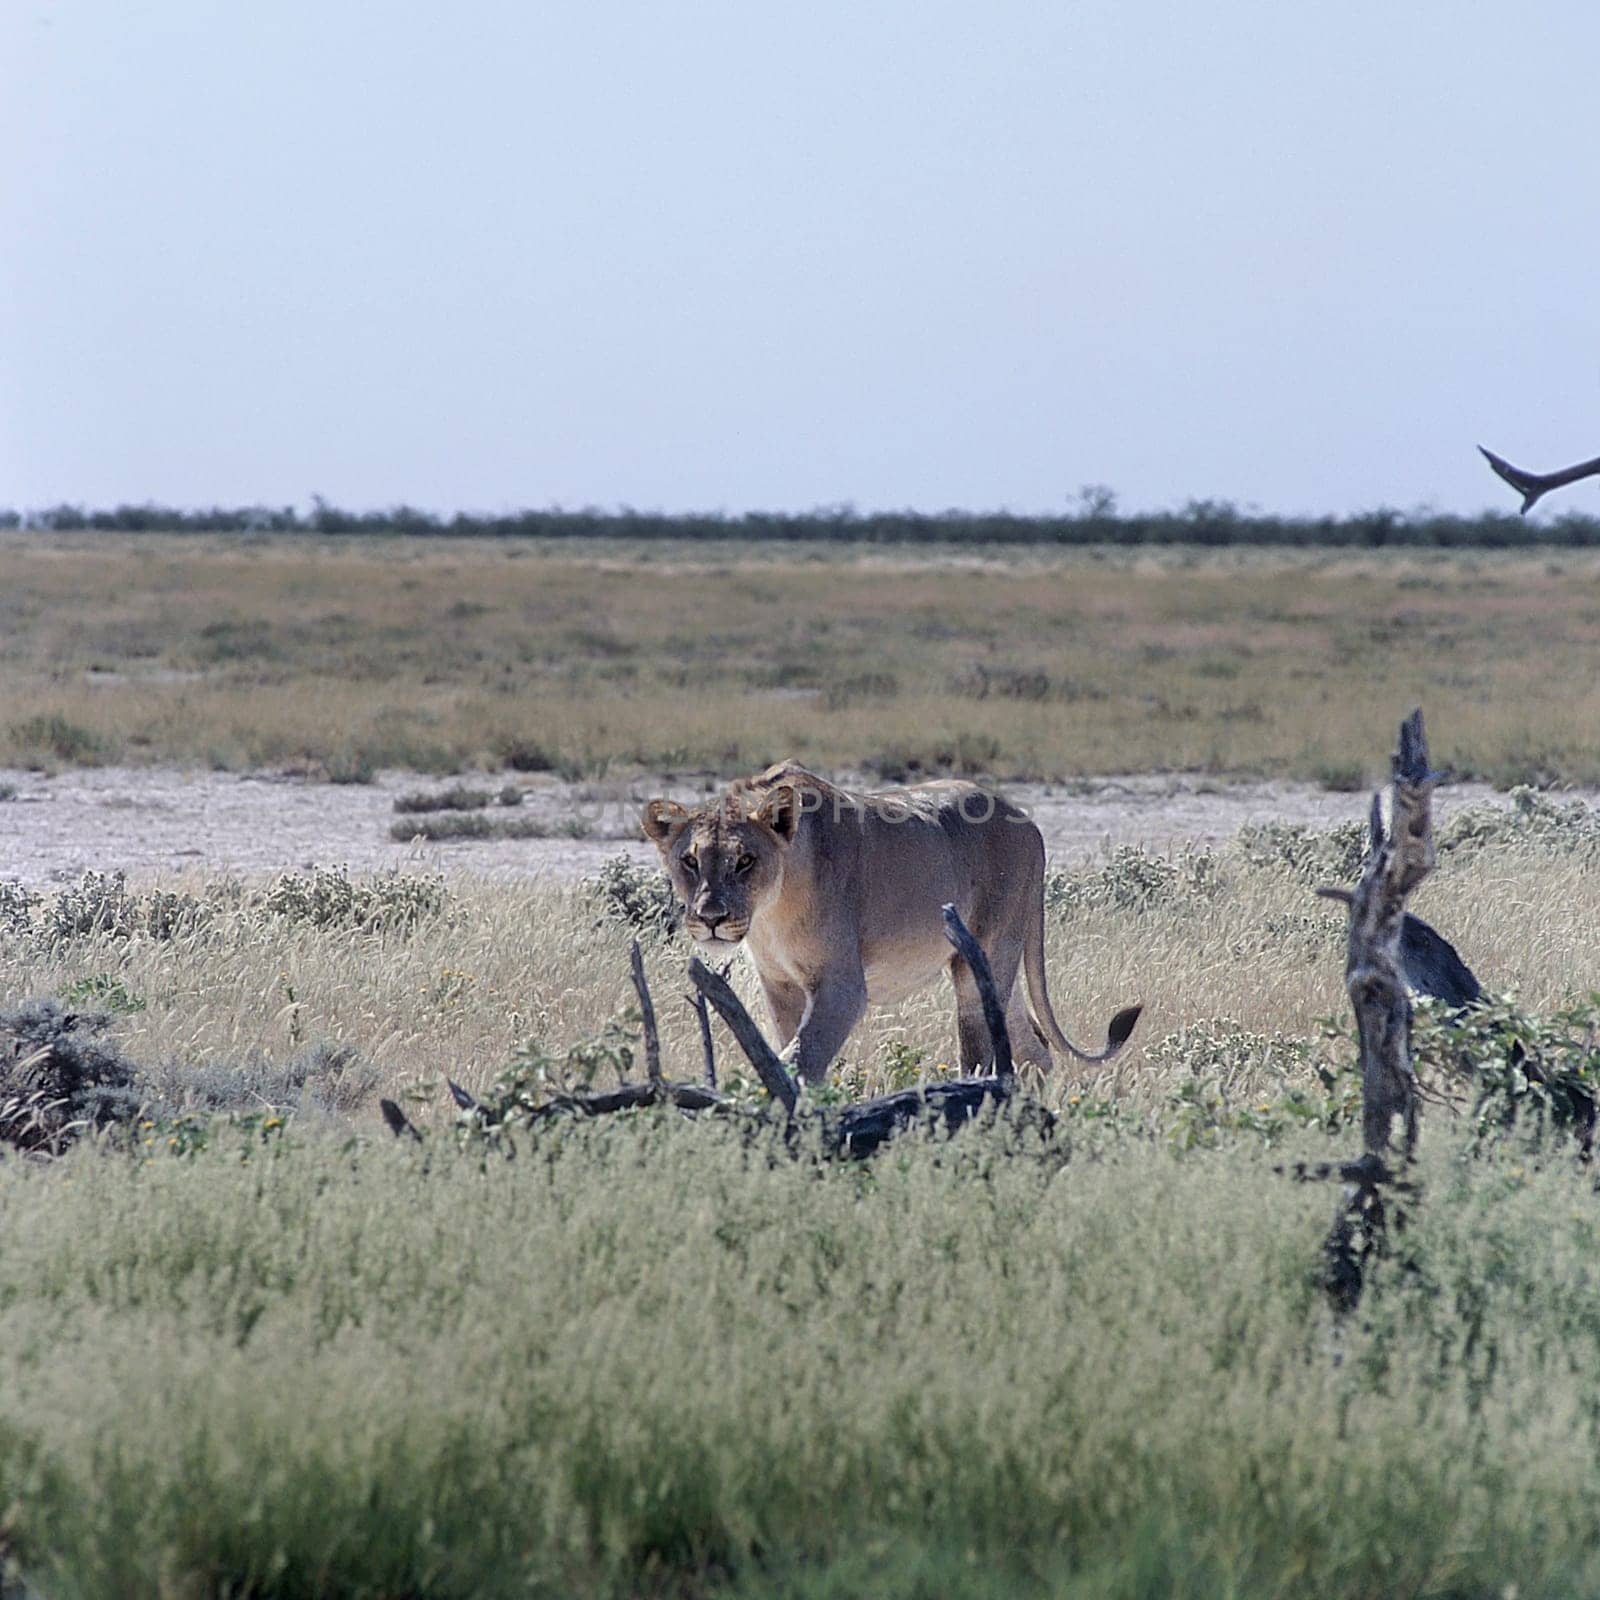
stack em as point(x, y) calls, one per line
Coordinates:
point(152, 821)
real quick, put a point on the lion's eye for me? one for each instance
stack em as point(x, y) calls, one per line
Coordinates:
point(744, 863)
point(691, 863)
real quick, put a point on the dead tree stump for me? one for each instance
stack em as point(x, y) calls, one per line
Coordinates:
point(1374, 971)
point(1375, 977)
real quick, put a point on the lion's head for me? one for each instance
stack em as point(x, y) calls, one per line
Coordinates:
point(725, 860)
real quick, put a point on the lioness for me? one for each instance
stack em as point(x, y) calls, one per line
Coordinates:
point(838, 898)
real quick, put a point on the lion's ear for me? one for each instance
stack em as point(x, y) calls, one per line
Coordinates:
point(781, 811)
point(661, 820)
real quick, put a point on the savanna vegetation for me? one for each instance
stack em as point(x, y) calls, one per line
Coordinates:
point(339, 657)
point(252, 1345)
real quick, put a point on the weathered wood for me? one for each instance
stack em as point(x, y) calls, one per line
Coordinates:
point(708, 1049)
point(1358, 1236)
point(1374, 971)
point(772, 1072)
point(1360, 1224)
point(994, 1014)
point(636, 1096)
point(849, 1131)
point(1533, 486)
point(859, 1129)
point(647, 1015)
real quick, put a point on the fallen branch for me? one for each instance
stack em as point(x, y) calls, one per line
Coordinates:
point(848, 1131)
point(634, 1097)
point(774, 1075)
point(859, 1129)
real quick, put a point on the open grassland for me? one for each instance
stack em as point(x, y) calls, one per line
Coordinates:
point(252, 1346)
point(648, 1359)
point(344, 657)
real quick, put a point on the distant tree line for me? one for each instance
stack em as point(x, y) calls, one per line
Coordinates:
point(1094, 520)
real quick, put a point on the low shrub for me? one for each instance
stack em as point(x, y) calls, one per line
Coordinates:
point(351, 767)
point(1515, 1071)
point(1134, 879)
point(58, 1077)
point(1533, 817)
point(458, 797)
point(638, 898)
point(53, 735)
point(327, 897)
point(324, 1077)
point(101, 905)
point(525, 755)
point(1332, 855)
point(17, 906)
point(966, 755)
point(446, 827)
point(856, 687)
point(980, 682)
point(104, 990)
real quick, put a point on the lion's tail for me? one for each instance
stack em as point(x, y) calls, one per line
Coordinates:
point(1039, 999)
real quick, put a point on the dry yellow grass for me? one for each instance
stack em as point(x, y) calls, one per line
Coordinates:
point(504, 965)
point(442, 654)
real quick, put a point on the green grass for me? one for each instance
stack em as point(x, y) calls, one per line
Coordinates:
point(642, 1359)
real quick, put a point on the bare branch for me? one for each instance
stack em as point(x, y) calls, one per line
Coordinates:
point(647, 1014)
point(1374, 970)
point(635, 1097)
point(994, 1015)
point(708, 1050)
point(1533, 486)
point(772, 1072)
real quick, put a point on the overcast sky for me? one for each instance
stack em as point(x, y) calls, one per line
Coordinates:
point(700, 255)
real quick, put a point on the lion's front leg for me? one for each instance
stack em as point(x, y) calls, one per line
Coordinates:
point(786, 1003)
point(833, 1009)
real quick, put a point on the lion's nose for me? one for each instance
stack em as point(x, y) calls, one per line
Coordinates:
point(712, 916)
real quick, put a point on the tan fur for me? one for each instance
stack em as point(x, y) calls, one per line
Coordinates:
point(838, 897)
